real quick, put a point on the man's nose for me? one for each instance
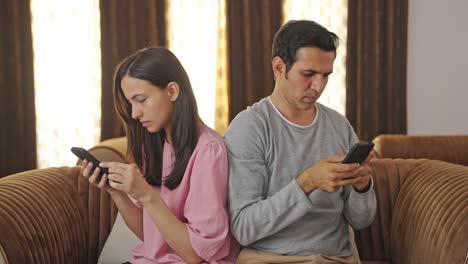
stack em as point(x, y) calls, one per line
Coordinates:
point(317, 82)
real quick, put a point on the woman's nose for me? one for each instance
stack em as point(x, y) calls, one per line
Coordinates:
point(136, 113)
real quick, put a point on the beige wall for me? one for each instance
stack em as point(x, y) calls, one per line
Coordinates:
point(438, 67)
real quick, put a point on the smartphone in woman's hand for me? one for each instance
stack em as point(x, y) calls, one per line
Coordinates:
point(82, 154)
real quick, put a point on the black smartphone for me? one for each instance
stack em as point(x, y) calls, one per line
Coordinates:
point(358, 152)
point(82, 154)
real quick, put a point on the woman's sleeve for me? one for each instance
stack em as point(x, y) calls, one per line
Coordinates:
point(206, 204)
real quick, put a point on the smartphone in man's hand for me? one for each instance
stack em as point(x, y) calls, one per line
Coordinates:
point(82, 154)
point(358, 152)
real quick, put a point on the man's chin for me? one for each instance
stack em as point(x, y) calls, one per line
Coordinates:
point(308, 105)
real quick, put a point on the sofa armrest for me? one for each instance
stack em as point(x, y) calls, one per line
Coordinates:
point(430, 220)
point(373, 242)
point(422, 213)
point(40, 217)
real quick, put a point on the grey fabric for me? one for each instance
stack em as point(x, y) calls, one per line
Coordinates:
point(269, 211)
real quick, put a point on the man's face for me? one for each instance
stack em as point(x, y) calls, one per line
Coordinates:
point(307, 78)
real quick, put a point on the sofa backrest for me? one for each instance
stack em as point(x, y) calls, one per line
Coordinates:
point(114, 149)
point(450, 148)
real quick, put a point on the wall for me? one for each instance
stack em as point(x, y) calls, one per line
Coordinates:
point(437, 90)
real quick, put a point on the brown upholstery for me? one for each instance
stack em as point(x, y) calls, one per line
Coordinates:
point(430, 220)
point(42, 219)
point(453, 148)
point(114, 149)
point(422, 213)
point(53, 215)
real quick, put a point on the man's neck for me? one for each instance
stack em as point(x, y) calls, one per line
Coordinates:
point(290, 112)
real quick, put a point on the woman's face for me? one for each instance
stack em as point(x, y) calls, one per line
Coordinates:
point(151, 105)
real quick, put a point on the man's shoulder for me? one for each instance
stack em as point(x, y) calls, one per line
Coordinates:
point(250, 125)
point(329, 111)
point(254, 114)
point(331, 115)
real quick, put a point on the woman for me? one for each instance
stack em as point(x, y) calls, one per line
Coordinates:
point(179, 182)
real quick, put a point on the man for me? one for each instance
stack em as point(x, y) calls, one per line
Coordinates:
point(290, 198)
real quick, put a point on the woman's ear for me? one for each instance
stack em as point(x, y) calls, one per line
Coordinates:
point(173, 91)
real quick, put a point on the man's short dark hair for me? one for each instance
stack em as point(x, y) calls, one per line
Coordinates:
point(296, 34)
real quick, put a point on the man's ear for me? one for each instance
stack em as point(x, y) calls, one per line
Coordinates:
point(279, 68)
point(173, 91)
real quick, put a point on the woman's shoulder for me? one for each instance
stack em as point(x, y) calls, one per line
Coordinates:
point(209, 137)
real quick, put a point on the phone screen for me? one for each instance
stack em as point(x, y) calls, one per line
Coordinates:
point(358, 152)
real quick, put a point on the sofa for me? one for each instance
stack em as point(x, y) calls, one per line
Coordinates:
point(53, 215)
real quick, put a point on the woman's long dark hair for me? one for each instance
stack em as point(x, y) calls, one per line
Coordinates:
point(158, 66)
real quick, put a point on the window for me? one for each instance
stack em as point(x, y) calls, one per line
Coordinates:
point(334, 16)
point(67, 72)
point(198, 40)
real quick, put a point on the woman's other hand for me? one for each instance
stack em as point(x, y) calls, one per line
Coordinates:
point(127, 178)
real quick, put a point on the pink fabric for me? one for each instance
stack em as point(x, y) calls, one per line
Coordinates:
point(200, 201)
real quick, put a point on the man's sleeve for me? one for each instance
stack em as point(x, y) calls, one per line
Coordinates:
point(360, 208)
point(253, 214)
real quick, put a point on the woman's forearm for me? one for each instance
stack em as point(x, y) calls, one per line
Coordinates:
point(132, 215)
point(174, 232)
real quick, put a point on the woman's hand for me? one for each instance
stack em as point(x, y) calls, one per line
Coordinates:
point(93, 177)
point(128, 179)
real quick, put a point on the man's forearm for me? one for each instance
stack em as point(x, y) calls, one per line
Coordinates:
point(252, 222)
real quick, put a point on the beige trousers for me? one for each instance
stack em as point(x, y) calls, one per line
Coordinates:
point(251, 256)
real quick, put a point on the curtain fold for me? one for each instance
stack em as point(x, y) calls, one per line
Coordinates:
point(126, 26)
point(376, 67)
point(251, 27)
point(17, 106)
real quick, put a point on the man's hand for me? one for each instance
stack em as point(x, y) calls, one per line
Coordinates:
point(329, 175)
point(362, 184)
